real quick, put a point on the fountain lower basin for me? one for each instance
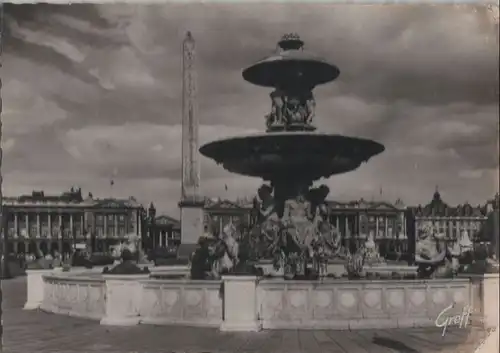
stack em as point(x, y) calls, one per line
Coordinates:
point(311, 155)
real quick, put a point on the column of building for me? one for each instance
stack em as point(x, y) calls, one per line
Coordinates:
point(38, 226)
point(402, 219)
point(105, 233)
point(16, 233)
point(346, 226)
point(49, 232)
point(86, 231)
point(456, 235)
point(387, 240)
point(449, 229)
point(60, 233)
point(404, 235)
point(28, 233)
point(82, 227)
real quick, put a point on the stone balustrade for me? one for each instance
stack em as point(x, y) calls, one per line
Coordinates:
point(181, 302)
point(123, 295)
point(245, 303)
point(342, 304)
point(484, 293)
point(79, 296)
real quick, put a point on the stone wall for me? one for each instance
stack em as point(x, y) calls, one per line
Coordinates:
point(245, 303)
point(339, 304)
point(183, 302)
point(75, 296)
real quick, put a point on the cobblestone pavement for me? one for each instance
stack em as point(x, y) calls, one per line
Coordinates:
point(35, 331)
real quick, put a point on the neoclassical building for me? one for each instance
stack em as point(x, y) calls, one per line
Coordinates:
point(452, 221)
point(385, 222)
point(162, 231)
point(220, 212)
point(45, 223)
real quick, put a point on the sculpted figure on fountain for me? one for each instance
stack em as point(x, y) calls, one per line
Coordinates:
point(291, 109)
point(298, 220)
point(269, 219)
point(225, 251)
point(310, 108)
point(317, 197)
point(434, 257)
point(302, 233)
point(266, 224)
point(327, 243)
point(302, 239)
point(372, 253)
point(275, 118)
point(355, 263)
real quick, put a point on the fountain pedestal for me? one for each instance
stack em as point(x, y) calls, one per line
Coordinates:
point(191, 226)
point(35, 290)
point(123, 299)
point(485, 297)
point(240, 304)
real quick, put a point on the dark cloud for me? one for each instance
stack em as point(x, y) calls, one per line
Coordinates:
point(423, 80)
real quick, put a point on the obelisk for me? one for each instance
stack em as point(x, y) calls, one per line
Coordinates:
point(191, 204)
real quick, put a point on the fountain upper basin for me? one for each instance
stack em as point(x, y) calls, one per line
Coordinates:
point(305, 155)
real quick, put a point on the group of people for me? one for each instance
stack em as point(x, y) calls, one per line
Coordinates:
point(49, 259)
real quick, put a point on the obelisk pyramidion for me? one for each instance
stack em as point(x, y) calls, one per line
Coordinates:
point(191, 203)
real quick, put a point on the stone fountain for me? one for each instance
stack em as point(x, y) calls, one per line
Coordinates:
point(291, 155)
point(292, 219)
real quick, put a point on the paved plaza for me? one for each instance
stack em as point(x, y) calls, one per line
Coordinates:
point(35, 331)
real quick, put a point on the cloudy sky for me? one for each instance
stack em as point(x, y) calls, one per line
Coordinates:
point(93, 92)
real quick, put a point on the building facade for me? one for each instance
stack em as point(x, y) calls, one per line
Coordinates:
point(162, 231)
point(42, 224)
point(218, 213)
point(385, 222)
point(452, 221)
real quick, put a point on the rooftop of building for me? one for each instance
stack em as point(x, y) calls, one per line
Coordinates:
point(438, 207)
point(73, 197)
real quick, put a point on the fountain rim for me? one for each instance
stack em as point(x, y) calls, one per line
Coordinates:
point(305, 134)
point(250, 74)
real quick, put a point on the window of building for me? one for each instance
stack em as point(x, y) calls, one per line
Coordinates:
point(110, 217)
point(121, 218)
point(121, 231)
point(99, 218)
